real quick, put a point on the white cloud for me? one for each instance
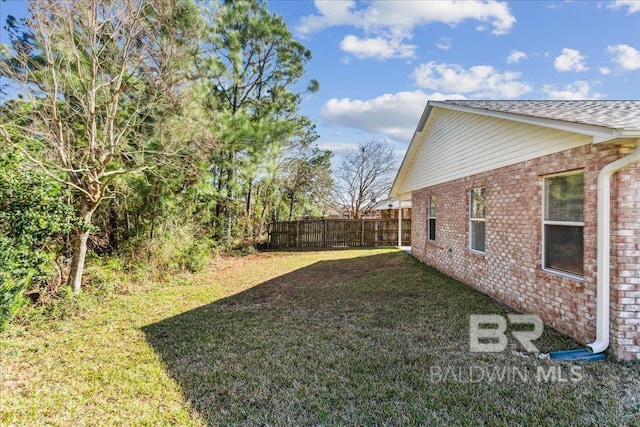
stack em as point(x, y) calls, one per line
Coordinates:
point(332, 12)
point(515, 56)
point(395, 115)
point(444, 43)
point(570, 60)
point(377, 48)
point(633, 5)
point(408, 14)
point(480, 81)
point(572, 91)
point(399, 154)
point(627, 57)
point(404, 15)
point(605, 71)
point(337, 148)
point(387, 24)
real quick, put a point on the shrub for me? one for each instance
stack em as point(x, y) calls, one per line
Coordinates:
point(32, 213)
point(173, 250)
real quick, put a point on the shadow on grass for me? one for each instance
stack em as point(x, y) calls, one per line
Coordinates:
point(356, 342)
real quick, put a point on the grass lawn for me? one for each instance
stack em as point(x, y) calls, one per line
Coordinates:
point(347, 337)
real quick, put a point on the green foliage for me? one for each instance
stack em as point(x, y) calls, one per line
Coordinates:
point(107, 275)
point(308, 183)
point(184, 144)
point(61, 306)
point(195, 256)
point(107, 104)
point(252, 76)
point(173, 250)
point(32, 213)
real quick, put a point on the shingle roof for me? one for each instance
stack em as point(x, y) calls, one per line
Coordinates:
point(624, 115)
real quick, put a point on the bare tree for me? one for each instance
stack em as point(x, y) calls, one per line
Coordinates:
point(364, 177)
point(89, 70)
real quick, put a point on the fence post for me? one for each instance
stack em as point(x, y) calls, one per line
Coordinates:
point(399, 223)
point(375, 232)
point(324, 233)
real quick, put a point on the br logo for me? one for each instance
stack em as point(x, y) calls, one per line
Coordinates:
point(488, 332)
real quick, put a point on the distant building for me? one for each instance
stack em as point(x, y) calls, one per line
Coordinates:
point(388, 209)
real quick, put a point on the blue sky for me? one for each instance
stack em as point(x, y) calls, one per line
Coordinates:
point(379, 62)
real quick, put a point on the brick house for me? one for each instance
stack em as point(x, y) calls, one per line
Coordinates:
point(525, 200)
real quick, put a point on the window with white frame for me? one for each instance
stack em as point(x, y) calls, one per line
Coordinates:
point(476, 219)
point(431, 214)
point(563, 237)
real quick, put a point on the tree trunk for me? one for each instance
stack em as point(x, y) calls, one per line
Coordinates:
point(154, 213)
point(229, 208)
point(80, 249)
point(247, 227)
point(218, 226)
point(113, 227)
point(77, 262)
point(248, 204)
point(265, 209)
point(292, 201)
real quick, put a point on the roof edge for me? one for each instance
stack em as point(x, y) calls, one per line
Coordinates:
point(420, 128)
point(598, 133)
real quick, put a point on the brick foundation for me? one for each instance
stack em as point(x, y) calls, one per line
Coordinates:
point(511, 268)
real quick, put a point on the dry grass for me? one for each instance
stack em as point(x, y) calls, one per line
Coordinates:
point(350, 337)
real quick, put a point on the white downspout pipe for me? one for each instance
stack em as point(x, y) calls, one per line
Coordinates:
point(604, 247)
point(399, 223)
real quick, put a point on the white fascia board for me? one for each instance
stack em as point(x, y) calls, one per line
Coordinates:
point(417, 134)
point(630, 133)
point(598, 133)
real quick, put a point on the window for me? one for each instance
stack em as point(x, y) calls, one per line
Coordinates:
point(476, 219)
point(431, 214)
point(563, 223)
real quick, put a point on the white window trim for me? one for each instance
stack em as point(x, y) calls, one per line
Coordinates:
point(563, 223)
point(471, 220)
point(430, 216)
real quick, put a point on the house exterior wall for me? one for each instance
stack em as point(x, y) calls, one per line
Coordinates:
point(456, 144)
point(511, 270)
point(625, 274)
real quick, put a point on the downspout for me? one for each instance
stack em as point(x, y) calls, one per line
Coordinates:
point(604, 247)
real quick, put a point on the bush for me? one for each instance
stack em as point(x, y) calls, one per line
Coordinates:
point(172, 251)
point(32, 213)
point(195, 256)
point(106, 275)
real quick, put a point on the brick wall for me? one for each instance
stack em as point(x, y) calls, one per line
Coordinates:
point(625, 274)
point(511, 268)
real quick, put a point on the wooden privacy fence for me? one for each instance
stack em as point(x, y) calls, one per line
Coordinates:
point(324, 233)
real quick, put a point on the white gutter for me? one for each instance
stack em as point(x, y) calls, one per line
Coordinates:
point(604, 247)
